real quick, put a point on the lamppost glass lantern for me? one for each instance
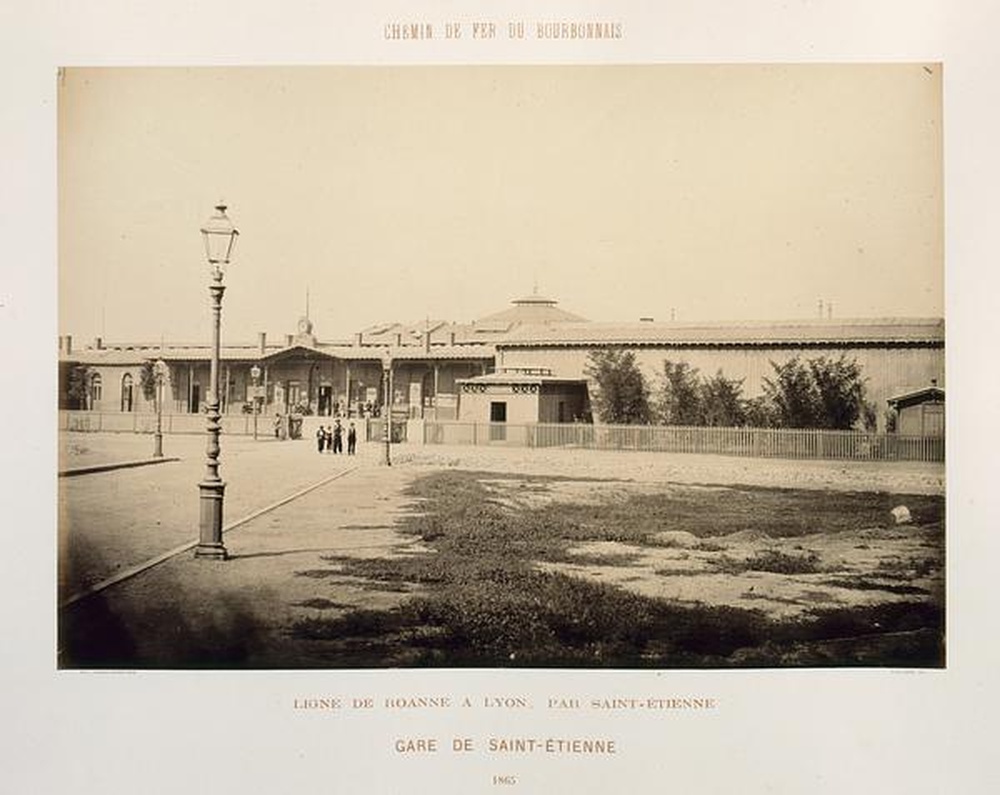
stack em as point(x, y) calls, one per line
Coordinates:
point(220, 237)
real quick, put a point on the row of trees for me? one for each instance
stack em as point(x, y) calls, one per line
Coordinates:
point(814, 393)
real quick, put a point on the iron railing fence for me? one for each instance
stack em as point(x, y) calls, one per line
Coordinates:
point(232, 424)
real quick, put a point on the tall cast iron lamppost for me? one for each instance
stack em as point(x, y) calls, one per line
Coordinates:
point(160, 374)
point(220, 237)
point(255, 376)
point(387, 404)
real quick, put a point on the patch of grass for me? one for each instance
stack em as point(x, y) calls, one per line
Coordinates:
point(484, 602)
point(770, 560)
point(907, 568)
point(678, 572)
point(868, 585)
point(778, 562)
point(320, 604)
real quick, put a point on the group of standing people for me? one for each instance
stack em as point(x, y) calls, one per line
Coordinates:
point(331, 438)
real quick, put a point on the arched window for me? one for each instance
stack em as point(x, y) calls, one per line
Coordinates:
point(96, 391)
point(127, 392)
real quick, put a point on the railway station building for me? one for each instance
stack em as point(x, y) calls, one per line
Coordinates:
point(528, 361)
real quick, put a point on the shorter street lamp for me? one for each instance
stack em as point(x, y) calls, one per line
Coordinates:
point(160, 373)
point(387, 404)
point(255, 375)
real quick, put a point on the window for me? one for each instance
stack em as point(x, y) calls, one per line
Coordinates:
point(96, 390)
point(126, 392)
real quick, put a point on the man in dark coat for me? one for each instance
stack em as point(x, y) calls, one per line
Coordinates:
point(338, 440)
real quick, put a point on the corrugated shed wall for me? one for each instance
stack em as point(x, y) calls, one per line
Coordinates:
point(889, 370)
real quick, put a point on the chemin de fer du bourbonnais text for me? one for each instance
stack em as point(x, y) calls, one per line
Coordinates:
point(570, 30)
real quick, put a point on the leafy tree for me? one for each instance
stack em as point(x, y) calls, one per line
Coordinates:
point(721, 401)
point(622, 394)
point(758, 412)
point(78, 385)
point(147, 379)
point(792, 395)
point(818, 393)
point(841, 390)
point(681, 395)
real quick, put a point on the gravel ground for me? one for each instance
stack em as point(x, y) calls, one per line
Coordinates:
point(892, 476)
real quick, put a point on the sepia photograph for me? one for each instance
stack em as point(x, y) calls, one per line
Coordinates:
point(453, 398)
point(618, 367)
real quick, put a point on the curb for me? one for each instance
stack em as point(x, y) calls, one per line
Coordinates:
point(69, 473)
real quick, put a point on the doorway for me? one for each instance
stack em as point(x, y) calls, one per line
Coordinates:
point(498, 414)
point(325, 401)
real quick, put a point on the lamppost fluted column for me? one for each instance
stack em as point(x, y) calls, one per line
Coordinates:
point(212, 489)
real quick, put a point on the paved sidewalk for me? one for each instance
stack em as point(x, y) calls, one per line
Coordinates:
point(109, 521)
point(187, 612)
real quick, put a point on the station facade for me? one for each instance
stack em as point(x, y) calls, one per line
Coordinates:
point(527, 363)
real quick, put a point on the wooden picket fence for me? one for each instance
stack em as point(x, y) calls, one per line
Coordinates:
point(753, 442)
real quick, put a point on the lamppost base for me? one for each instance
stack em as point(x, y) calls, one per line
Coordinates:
point(211, 551)
point(210, 543)
point(158, 446)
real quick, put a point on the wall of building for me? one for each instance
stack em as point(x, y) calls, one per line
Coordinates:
point(572, 398)
point(923, 419)
point(474, 406)
point(889, 371)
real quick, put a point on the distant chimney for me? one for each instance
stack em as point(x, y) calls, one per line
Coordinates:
point(98, 344)
point(427, 340)
point(69, 344)
point(829, 309)
point(451, 338)
point(289, 338)
point(262, 342)
point(399, 340)
point(819, 306)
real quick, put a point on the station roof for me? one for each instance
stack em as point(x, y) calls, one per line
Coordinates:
point(874, 331)
point(533, 321)
point(520, 376)
point(532, 309)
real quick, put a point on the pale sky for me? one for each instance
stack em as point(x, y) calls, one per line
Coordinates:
point(401, 193)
